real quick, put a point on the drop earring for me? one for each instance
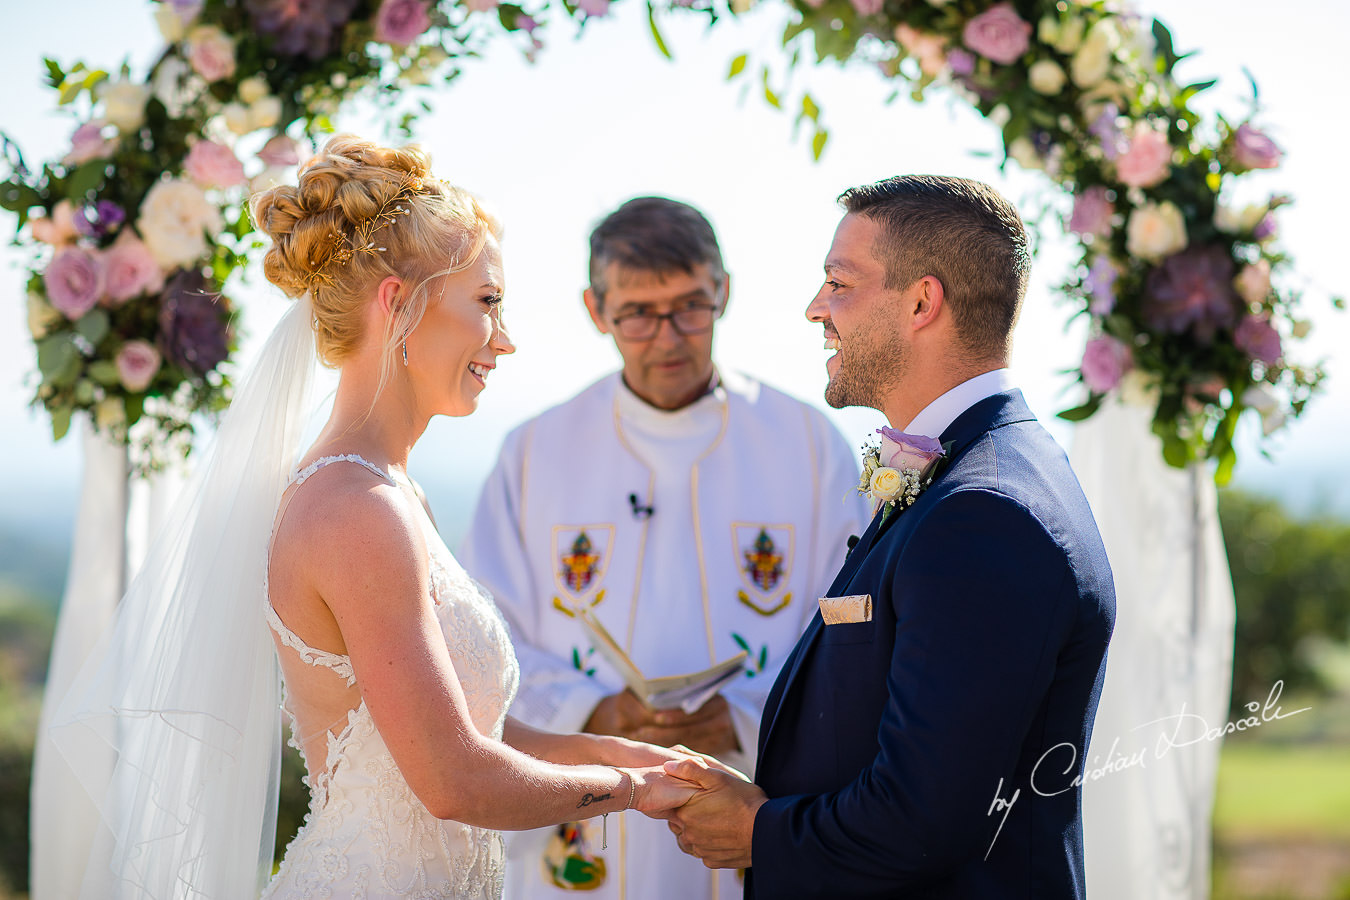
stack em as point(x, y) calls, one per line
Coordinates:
point(405, 353)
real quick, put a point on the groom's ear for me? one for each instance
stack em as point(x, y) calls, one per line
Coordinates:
point(927, 298)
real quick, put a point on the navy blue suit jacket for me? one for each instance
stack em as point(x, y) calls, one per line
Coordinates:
point(885, 743)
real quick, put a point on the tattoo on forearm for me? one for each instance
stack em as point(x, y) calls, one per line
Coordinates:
point(591, 798)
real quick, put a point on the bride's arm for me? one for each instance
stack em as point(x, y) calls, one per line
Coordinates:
point(365, 555)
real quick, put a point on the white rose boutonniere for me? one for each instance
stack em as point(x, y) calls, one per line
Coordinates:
point(897, 470)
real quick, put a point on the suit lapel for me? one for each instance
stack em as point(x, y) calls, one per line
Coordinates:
point(992, 412)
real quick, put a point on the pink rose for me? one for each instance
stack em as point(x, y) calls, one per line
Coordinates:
point(89, 143)
point(489, 6)
point(279, 152)
point(1258, 339)
point(401, 22)
point(928, 49)
point(1148, 158)
point(130, 270)
point(998, 34)
point(59, 229)
point(1253, 282)
point(1092, 212)
point(1252, 149)
point(210, 53)
point(867, 7)
point(1105, 362)
point(595, 8)
point(137, 363)
point(213, 165)
point(74, 281)
point(908, 451)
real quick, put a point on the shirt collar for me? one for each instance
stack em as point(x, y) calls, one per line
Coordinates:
point(936, 416)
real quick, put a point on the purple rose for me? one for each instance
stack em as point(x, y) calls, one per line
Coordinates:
point(194, 323)
point(1252, 149)
point(74, 282)
point(1258, 339)
point(301, 27)
point(100, 219)
point(961, 62)
point(998, 33)
point(400, 22)
point(1101, 286)
point(908, 451)
point(1192, 290)
point(1105, 362)
point(1092, 212)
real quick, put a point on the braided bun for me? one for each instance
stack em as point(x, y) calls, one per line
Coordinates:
point(358, 214)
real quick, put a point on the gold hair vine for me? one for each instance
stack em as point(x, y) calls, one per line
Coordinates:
point(362, 239)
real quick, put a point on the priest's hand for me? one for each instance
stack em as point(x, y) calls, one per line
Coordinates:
point(718, 822)
point(708, 730)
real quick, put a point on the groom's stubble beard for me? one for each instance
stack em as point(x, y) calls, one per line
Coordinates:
point(871, 365)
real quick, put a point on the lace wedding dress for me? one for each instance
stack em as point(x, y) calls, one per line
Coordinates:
point(366, 835)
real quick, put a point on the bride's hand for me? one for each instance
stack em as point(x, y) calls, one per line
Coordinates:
point(656, 792)
point(619, 751)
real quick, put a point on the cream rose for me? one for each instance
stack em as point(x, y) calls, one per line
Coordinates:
point(124, 104)
point(237, 118)
point(251, 90)
point(1092, 61)
point(1046, 77)
point(1156, 230)
point(173, 222)
point(887, 483)
point(1253, 282)
point(264, 113)
point(1023, 152)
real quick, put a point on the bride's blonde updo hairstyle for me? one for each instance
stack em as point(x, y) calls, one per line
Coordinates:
point(360, 213)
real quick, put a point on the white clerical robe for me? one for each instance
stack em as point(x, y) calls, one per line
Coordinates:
point(691, 535)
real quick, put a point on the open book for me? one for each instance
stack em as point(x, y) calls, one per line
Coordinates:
point(685, 692)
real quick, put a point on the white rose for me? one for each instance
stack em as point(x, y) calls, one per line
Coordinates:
point(1233, 221)
point(1139, 388)
point(1070, 36)
point(1092, 62)
point(887, 483)
point(174, 218)
point(124, 104)
point(1046, 77)
point(1023, 152)
point(1156, 230)
point(175, 86)
point(237, 118)
point(264, 113)
point(171, 26)
point(251, 90)
point(110, 412)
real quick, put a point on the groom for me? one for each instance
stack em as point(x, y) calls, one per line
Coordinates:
point(925, 737)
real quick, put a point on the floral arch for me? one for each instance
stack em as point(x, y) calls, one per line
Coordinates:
point(134, 231)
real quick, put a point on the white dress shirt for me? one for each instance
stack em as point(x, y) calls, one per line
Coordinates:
point(934, 418)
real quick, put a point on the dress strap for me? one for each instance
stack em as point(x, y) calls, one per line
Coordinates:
point(302, 475)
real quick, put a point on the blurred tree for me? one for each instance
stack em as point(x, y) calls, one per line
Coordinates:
point(1291, 579)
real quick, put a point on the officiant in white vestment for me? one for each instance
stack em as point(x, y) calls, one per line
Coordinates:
point(694, 512)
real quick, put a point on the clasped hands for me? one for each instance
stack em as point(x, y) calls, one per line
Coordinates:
point(709, 806)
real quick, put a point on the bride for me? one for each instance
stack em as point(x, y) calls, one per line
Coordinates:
point(397, 667)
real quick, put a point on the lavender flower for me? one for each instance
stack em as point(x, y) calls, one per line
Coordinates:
point(99, 220)
point(961, 61)
point(1105, 129)
point(301, 27)
point(1101, 286)
point(1192, 290)
point(1259, 339)
point(194, 323)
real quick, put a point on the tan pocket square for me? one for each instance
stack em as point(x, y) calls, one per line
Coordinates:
point(843, 610)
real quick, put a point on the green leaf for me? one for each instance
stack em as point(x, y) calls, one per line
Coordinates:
point(509, 15)
point(104, 372)
point(1224, 472)
point(769, 95)
point(86, 178)
point(54, 73)
point(1167, 54)
point(656, 32)
point(1079, 413)
point(809, 108)
point(740, 642)
point(58, 360)
point(93, 326)
point(135, 404)
point(60, 423)
point(737, 66)
point(1175, 452)
point(818, 143)
point(18, 197)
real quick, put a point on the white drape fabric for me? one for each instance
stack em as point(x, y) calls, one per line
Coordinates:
point(183, 689)
point(1149, 789)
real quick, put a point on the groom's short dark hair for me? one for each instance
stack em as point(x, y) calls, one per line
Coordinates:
point(964, 234)
point(654, 234)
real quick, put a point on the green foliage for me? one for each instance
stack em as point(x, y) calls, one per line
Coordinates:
point(1291, 579)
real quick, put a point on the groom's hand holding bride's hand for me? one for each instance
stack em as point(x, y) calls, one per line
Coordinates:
point(710, 728)
point(717, 823)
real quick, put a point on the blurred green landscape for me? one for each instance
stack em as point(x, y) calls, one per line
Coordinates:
point(1282, 815)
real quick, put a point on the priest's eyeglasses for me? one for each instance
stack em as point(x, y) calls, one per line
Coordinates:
point(696, 318)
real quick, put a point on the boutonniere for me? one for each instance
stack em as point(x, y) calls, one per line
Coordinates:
point(898, 468)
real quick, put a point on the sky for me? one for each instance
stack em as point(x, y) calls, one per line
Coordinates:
point(553, 146)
